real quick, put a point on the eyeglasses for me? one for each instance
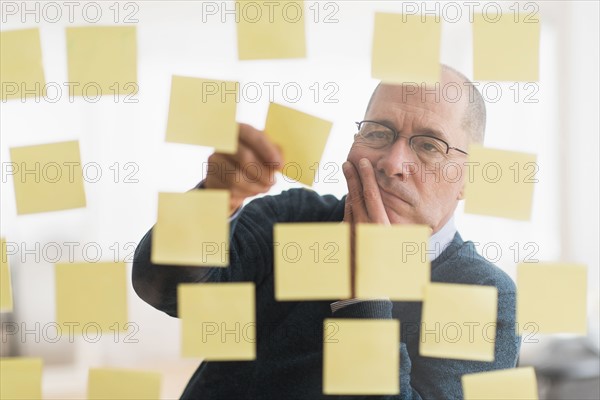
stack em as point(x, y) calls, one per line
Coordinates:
point(429, 149)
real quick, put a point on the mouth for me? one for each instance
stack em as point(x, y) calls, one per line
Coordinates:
point(403, 196)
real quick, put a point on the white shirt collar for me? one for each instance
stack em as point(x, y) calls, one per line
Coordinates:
point(441, 239)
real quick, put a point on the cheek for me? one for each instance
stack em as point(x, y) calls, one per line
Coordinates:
point(436, 194)
point(357, 152)
point(443, 197)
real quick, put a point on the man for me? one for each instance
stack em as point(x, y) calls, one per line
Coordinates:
point(405, 133)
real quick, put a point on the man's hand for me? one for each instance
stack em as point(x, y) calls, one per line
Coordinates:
point(363, 203)
point(248, 172)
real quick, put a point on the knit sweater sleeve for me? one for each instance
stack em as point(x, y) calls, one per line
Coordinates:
point(250, 247)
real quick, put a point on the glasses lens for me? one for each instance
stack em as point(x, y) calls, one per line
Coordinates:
point(375, 135)
point(429, 148)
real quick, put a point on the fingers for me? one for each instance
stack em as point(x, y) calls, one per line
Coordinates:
point(248, 172)
point(260, 145)
point(355, 196)
point(364, 193)
point(245, 172)
point(363, 204)
point(348, 217)
point(249, 168)
point(371, 193)
point(240, 173)
point(256, 160)
point(242, 192)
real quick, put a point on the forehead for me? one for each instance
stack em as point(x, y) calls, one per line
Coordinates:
point(410, 106)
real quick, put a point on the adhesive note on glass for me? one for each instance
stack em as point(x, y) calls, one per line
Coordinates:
point(192, 229)
point(459, 321)
point(302, 139)
point(21, 68)
point(202, 112)
point(102, 61)
point(312, 261)
point(540, 310)
point(121, 384)
point(91, 297)
point(506, 384)
point(47, 177)
point(500, 183)
point(392, 261)
point(6, 298)
point(21, 378)
point(406, 48)
point(506, 48)
point(218, 320)
point(361, 356)
point(270, 30)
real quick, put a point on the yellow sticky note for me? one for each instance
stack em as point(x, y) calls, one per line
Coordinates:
point(21, 378)
point(406, 48)
point(361, 356)
point(392, 261)
point(552, 298)
point(202, 112)
point(500, 183)
point(218, 320)
point(91, 297)
point(505, 50)
point(269, 30)
point(102, 60)
point(21, 69)
point(302, 139)
point(47, 177)
point(459, 321)
point(505, 384)
point(192, 229)
point(121, 384)
point(312, 261)
point(6, 300)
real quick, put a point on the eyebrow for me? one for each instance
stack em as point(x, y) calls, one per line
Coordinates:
point(424, 131)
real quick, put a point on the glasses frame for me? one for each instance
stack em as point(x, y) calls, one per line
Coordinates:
point(398, 135)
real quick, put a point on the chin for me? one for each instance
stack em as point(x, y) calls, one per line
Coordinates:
point(395, 207)
point(396, 216)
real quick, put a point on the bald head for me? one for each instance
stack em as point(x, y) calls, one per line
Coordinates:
point(473, 106)
point(473, 120)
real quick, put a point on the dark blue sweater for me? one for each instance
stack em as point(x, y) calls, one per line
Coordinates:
point(289, 334)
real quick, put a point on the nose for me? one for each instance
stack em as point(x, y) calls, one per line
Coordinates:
point(398, 159)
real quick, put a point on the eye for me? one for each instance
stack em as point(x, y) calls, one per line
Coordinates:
point(378, 135)
point(375, 135)
point(428, 145)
